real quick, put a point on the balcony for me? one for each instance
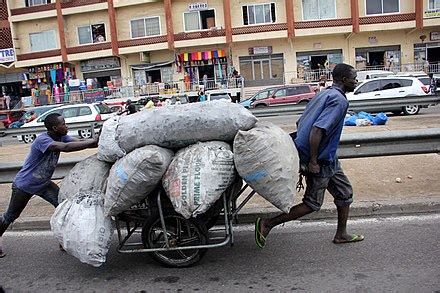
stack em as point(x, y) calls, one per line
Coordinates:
point(89, 48)
point(323, 23)
point(387, 18)
point(259, 28)
point(77, 3)
point(142, 41)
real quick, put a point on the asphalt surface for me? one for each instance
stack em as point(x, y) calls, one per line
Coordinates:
point(399, 254)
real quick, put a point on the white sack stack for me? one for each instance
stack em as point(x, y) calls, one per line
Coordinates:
point(134, 176)
point(267, 159)
point(80, 226)
point(198, 175)
point(88, 176)
point(178, 126)
point(108, 148)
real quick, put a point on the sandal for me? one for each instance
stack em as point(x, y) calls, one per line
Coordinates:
point(354, 238)
point(260, 240)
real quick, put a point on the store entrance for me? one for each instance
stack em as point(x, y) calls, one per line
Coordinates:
point(102, 81)
point(376, 58)
point(434, 55)
point(317, 62)
point(206, 69)
point(153, 76)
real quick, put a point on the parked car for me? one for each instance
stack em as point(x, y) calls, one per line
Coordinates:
point(370, 74)
point(263, 94)
point(72, 114)
point(390, 87)
point(289, 94)
point(27, 116)
point(8, 117)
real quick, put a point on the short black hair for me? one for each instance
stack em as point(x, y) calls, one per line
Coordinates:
point(51, 120)
point(341, 70)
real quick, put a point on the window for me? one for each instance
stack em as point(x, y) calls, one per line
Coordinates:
point(42, 41)
point(89, 34)
point(145, 27)
point(371, 86)
point(262, 95)
point(36, 2)
point(70, 112)
point(199, 20)
point(84, 111)
point(381, 6)
point(42, 117)
point(390, 84)
point(280, 93)
point(434, 4)
point(318, 9)
point(259, 13)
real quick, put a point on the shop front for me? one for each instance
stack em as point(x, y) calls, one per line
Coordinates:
point(204, 68)
point(150, 77)
point(313, 65)
point(262, 67)
point(102, 73)
point(48, 83)
point(385, 57)
point(428, 52)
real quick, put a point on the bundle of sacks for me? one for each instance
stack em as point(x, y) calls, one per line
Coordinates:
point(193, 150)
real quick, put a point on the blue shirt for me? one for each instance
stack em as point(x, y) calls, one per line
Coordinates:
point(325, 111)
point(39, 165)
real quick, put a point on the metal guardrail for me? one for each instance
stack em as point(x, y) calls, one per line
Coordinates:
point(40, 129)
point(360, 105)
point(358, 145)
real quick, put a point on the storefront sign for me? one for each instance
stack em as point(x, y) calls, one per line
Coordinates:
point(435, 36)
point(93, 97)
point(7, 55)
point(197, 6)
point(36, 75)
point(432, 13)
point(100, 64)
point(260, 50)
point(372, 40)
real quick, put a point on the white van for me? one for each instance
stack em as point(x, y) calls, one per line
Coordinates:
point(370, 74)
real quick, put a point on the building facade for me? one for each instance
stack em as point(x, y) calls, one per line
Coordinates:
point(144, 42)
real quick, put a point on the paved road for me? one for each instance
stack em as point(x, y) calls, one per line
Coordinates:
point(398, 255)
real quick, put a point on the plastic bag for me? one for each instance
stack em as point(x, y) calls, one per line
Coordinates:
point(267, 159)
point(380, 119)
point(134, 176)
point(80, 226)
point(89, 176)
point(351, 121)
point(198, 175)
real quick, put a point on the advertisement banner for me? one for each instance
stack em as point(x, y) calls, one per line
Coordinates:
point(7, 55)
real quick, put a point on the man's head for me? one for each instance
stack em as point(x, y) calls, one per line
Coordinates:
point(55, 123)
point(128, 102)
point(344, 77)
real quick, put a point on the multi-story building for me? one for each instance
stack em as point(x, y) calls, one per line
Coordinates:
point(267, 41)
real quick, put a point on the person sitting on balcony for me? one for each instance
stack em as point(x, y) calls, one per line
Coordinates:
point(38, 168)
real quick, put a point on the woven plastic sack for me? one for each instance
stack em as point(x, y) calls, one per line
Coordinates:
point(108, 147)
point(88, 176)
point(178, 126)
point(266, 158)
point(134, 176)
point(198, 175)
point(80, 226)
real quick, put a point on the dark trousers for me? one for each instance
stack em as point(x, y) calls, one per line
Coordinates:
point(19, 200)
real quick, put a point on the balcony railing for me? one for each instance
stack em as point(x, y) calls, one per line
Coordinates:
point(142, 42)
point(89, 48)
point(76, 3)
point(259, 28)
point(387, 18)
point(200, 34)
point(32, 9)
point(323, 23)
point(38, 55)
point(408, 67)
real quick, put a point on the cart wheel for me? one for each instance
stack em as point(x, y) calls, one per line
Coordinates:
point(180, 232)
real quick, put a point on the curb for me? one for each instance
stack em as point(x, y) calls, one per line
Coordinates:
point(328, 211)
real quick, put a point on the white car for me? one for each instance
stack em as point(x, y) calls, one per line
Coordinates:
point(370, 74)
point(72, 114)
point(390, 87)
point(219, 96)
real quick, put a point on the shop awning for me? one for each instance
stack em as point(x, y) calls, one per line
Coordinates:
point(151, 66)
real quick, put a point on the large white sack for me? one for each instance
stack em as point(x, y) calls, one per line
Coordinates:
point(198, 175)
point(108, 147)
point(267, 159)
point(89, 176)
point(134, 176)
point(80, 226)
point(178, 126)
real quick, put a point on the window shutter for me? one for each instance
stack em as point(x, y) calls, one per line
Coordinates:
point(245, 15)
point(272, 10)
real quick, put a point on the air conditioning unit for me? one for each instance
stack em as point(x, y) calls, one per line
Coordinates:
point(145, 57)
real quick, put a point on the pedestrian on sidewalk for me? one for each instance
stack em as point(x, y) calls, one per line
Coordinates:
point(36, 173)
point(318, 133)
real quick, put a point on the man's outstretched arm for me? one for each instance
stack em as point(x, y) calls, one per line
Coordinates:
point(73, 145)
